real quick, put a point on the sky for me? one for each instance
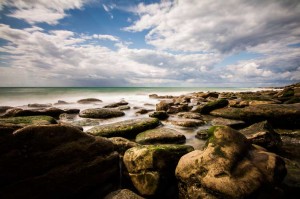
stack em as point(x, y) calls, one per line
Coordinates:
point(180, 43)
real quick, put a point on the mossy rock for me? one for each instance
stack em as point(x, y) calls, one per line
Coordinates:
point(101, 113)
point(127, 128)
point(207, 108)
point(28, 120)
point(279, 115)
point(293, 100)
point(160, 136)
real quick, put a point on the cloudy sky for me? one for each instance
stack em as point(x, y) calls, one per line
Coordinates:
point(201, 43)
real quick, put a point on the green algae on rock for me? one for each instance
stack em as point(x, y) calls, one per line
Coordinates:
point(127, 128)
point(207, 108)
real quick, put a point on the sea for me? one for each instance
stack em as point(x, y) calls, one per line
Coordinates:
point(137, 97)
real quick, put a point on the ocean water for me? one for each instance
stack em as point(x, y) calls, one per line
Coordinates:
point(136, 97)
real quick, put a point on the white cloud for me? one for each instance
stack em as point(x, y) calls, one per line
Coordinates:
point(38, 11)
point(223, 26)
point(106, 37)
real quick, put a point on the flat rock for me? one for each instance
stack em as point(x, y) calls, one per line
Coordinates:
point(151, 167)
point(187, 122)
point(190, 115)
point(127, 128)
point(116, 104)
point(89, 101)
point(101, 113)
point(15, 112)
point(57, 161)
point(279, 115)
point(28, 120)
point(229, 167)
point(160, 136)
point(227, 122)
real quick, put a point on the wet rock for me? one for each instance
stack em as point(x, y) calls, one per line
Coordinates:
point(85, 122)
point(28, 120)
point(127, 128)
point(61, 102)
point(229, 167)
point(66, 116)
point(123, 194)
point(187, 122)
point(151, 168)
point(257, 102)
point(124, 107)
point(190, 115)
point(227, 122)
point(72, 111)
point(122, 144)
point(101, 113)
point(162, 115)
point(3, 109)
point(202, 134)
point(178, 108)
point(57, 162)
point(15, 112)
point(143, 111)
point(155, 96)
point(207, 108)
point(89, 101)
point(116, 104)
point(160, 136)
point(279, 115)
point(263, 135)
point(163, 105)
point(36, 105)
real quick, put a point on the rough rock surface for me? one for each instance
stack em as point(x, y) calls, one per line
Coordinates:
point(263, 135)
point(160, 136)
point(227, 122)
point(101, 113)
point(151, 167)
point(283, 115)
point(207, 108)
point(229, 167)
point(122, 144)
point(57, 161)
point(123, 194)
point(127, 128)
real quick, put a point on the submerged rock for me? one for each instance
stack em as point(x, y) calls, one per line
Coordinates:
point(151, 168)
point(160, 136)
point(263, 135)
point(89, 101)
point(101, 113)
point(57, 161)
point(127, 128)
point(229, 167)
point(283, 115)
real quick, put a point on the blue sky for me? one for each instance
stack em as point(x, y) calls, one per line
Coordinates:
point(149, 43)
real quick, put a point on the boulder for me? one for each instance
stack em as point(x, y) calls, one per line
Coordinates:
point(122, 144)
point(57, 161)
point(16, 112)
point(160, 136)
point(89, 101)
point(101, 113)
point(279, 115)
point(164, 105)
point(190, 115)
point(263, 135)
point(178, 108)
point(207, 108)
point(116, 104)
point(28, 120)
point(161, 115)
point(229, 167)
point(123, 194)
point(187, 122)
point(127, 128)
point(151, 168)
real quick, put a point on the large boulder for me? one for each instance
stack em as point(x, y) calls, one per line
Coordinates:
point(127, 128)
point(151, 168)
point(280, 115)
point(101, 113)
point(57, 161)
point(229, 167)
point(264, 135)
point(160, 136)
point(53, 112)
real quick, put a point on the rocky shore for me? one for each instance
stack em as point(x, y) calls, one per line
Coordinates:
point(248, 146)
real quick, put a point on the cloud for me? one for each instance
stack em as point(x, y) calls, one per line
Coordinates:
point(221, 26)
point(105, 37)
point(42, 11)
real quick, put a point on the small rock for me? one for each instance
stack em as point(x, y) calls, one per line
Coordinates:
point(161, 115)
point(124, 107)
point(143, 111)
point(190, 115)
